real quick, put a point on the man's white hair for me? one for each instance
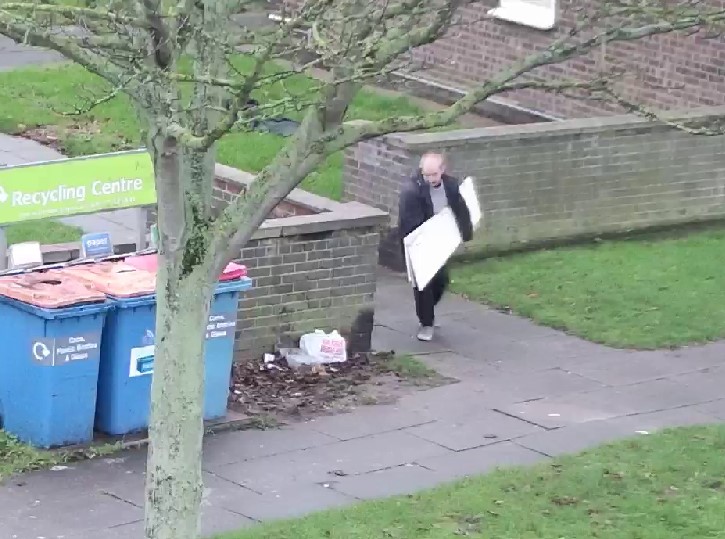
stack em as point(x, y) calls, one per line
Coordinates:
point(432, 156)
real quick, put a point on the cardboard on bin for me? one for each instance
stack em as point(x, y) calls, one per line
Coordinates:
point(115, 279)
point(49, 290)
point(232, 272)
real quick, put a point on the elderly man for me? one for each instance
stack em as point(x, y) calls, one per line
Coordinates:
point(429, 191)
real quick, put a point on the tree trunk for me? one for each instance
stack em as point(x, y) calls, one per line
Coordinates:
point(174, 482)
point(183, 295)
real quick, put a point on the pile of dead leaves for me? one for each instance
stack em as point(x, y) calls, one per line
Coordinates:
point(274, 388)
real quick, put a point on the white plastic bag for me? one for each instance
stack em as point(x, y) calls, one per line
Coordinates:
point(324, 347)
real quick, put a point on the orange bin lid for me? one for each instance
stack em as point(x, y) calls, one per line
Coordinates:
point(49, 290)
point(115, 279)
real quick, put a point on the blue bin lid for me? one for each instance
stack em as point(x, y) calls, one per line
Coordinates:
point(225, 287)
point(75, 311)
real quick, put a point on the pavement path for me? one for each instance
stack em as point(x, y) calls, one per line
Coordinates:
point(13, 56)
point(526, 393)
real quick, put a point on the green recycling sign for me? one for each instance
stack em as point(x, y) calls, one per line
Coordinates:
point(76, 186)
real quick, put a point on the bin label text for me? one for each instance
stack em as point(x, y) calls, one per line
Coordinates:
point(98, 244)
point(63, 350)
point(221, 326)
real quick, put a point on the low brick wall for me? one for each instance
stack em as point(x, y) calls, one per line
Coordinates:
point(315, 268)
point(555, 181)
point(313, 265)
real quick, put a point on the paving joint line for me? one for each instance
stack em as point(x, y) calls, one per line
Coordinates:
point(498, 410)
point(120, 499)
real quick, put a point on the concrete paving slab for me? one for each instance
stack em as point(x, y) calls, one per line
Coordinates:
point(512, 387)
point(650, 396)
point(715, 409)
point(698, 357)
point(461, 401)
point(460, 367)
point(490, 428)
point(481, 460)
point(213, 521)
point(131, 489)
point(93, 476)
point(14, 56)
point(132, 530)
point(401, 480)
point(369, 420)
point(390, 340)
point(228, 448)
point(70, 514)
point(494, 322)
point(709, 381)
point(557, 412)
point(290, 502)
point(624, 367)
point(508, 353)
point(573, 438)
point(608, 403)
point(321, 464)
point(576, 438)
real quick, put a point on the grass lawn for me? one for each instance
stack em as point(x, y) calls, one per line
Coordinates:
point(663, 486)
point(44, 231)
point(646, 293)
point(40, 97)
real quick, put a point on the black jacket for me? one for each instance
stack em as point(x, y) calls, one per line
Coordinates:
point(416, 207)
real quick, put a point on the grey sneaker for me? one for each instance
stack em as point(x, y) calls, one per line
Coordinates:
point(425, 333)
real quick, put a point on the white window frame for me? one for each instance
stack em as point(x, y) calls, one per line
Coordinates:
point(528, 13)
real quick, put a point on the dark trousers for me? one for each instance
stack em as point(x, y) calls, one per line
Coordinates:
point(427, 299)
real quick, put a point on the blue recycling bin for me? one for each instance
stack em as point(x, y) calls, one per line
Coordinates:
point(127, 358)
point(49, 371)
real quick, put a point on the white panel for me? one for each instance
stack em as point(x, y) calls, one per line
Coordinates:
point(540, 14)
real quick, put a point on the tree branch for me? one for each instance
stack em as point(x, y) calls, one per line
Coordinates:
point(74, 13)
point(21, 31)
point(353, 132)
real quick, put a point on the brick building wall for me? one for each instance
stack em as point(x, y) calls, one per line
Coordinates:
point(555, 181)
point(671, 71)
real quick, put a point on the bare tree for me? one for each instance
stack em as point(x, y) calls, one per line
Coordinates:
point(176, 61)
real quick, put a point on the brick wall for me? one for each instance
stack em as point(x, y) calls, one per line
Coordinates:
point(556, 181)
point(313, 265)
point(229, 183)
point(306, 281)
point(671, 71)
